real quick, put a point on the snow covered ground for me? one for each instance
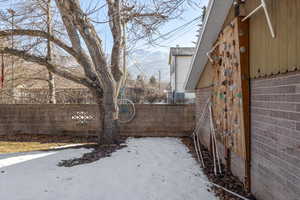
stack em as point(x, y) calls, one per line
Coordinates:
point(148, 169)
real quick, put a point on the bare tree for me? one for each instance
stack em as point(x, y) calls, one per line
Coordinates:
point(34, 14)
point(51, 80)
point(103, 78)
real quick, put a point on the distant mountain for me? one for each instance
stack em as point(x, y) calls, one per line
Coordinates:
point(149, 63)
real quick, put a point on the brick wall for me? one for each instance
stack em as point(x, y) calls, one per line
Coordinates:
point(275, 137)
point(150, 120)
point(275, 119)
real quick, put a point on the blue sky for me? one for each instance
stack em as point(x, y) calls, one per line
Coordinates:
point(184, 37)
point(153, 59)
point(144, 58)
point(149, 60)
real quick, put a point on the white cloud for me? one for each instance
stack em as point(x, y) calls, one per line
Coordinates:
point(149, 63)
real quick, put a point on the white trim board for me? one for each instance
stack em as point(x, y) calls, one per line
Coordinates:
point(216, 15)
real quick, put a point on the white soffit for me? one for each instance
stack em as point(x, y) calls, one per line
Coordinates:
point(216, 15)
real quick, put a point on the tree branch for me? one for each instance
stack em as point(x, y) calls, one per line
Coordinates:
point(81, 57)
point(71, 9)
point(76, 44)
point(50, 66)
point(158, 16)
point(38, 33)
point(116, 30)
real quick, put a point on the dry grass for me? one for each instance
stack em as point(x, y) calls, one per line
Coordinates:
point(13, 147)
point(25, 143)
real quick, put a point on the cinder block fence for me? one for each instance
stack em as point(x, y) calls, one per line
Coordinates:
point(71, 119)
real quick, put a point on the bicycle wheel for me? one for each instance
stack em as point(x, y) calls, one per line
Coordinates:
point(126, 110)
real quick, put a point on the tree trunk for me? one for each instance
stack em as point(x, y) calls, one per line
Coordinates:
point(111, 130)
point(51, 85)
point(51, 81)
point(108, 118)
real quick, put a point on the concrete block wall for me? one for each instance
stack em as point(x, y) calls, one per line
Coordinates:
point(161, 120)
point(275, 121)
point(48, 119)
point(150, 120)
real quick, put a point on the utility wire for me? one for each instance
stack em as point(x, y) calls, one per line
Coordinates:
point(178, 35)
point(182, 27)
point(172, 33)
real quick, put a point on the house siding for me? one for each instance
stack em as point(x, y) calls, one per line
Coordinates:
point(182, 69)
point(280, 54)
point(274, 101)
point(237, 163)
point(270, 56)
point(206, 77)
point(275, 137)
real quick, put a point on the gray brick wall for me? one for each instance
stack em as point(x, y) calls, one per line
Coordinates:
point(275, 119)
point(275, 137)
point(150, 120)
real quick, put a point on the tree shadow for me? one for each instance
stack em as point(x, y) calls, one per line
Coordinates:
point(99, 151)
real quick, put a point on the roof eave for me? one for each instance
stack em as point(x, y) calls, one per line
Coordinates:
point(214, 20)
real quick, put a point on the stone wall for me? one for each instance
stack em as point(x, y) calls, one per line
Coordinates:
point(150, 120)
point(275, 137)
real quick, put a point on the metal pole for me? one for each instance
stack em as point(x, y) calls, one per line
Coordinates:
point(264, 6)
point(254, 11)
point(12, 46)
point(12, 12)
point(159, 79)
point(268, 18)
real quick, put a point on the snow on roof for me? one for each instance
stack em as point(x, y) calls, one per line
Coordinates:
point(216, 14)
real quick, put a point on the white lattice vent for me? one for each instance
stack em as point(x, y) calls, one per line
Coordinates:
point(83, 117)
